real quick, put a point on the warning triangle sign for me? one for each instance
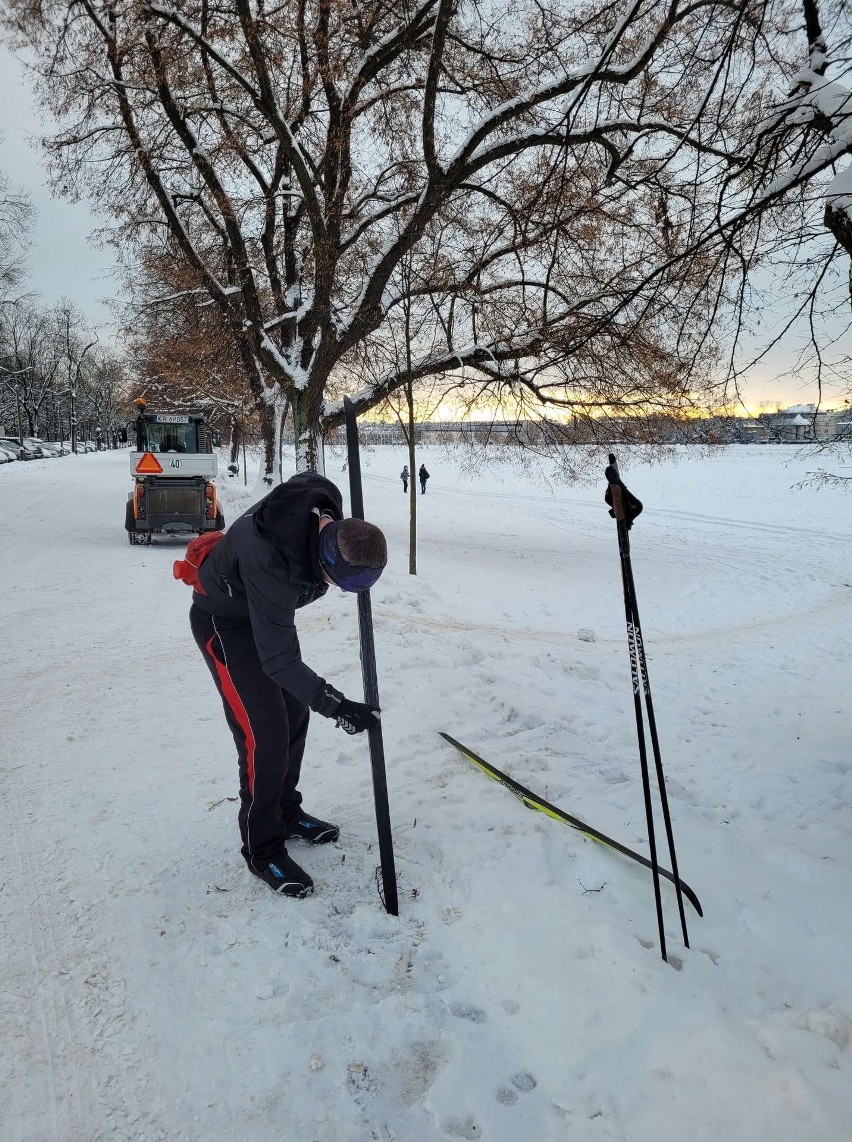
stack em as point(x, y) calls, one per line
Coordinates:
point(149, 465)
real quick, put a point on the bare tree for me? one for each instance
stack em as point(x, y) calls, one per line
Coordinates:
point(54, 375)
point(16, 218)
point(31, 361)
point(581, 191)
point(182, 352)
point(410, 332)
point(104, 384)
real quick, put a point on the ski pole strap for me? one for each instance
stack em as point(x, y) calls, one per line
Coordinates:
point(624, 506)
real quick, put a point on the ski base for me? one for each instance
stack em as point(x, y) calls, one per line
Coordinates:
point(388, 890)
point(533, 802)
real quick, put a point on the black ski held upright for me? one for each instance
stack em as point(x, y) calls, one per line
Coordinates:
point(371, 684)
point(625, 507)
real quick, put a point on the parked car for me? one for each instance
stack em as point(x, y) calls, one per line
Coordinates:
point(40, 448)
point(19, 450)
point(6, 457)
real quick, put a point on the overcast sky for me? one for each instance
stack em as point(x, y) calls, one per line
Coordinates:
point(64, 261)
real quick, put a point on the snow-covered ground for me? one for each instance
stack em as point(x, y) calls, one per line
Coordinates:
point(152, 989)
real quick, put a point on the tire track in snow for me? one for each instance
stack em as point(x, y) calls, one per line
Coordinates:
point(56, 1087)
point(72, 1086)
point(842, 596)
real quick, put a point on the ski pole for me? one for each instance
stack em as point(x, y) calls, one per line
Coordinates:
point(649, 706)
point(371, 684)
point(655, 745)
point(625, 508)
point(623, 548)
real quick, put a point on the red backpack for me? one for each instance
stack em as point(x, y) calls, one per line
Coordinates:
point(197, 551)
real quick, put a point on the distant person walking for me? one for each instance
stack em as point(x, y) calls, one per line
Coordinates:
point(404, 477)
point(424, 476)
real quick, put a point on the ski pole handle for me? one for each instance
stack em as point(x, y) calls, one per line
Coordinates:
point(614, 480)
point(623, 504)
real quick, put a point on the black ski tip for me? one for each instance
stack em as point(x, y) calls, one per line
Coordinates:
point(347, 403)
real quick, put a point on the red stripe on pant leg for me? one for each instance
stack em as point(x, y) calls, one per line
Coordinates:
point(233, 699)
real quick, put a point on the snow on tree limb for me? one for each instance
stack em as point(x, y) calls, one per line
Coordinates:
point(593, 204)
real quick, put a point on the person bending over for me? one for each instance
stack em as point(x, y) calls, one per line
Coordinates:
point(281, 555)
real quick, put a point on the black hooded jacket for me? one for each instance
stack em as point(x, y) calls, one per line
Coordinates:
point(267, 566)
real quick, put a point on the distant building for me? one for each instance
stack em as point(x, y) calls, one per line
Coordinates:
point(802, 423)
point(475, 431)
point(842, 424)
point(798, 424)
point(752, 431)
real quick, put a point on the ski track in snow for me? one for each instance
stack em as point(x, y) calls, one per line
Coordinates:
point(152, 990)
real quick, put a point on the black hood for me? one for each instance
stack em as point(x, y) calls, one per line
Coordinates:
point(287, 518)
point(265, 569)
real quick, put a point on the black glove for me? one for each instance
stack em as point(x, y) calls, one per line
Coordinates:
point(355, 717)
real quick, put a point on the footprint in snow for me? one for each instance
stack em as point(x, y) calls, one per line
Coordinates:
point(506, 1096)
point(363, 1089)
point(469, 1011)
point(358, 1079)
point(347, 759)
point(463, 1127)
point(524, 1082)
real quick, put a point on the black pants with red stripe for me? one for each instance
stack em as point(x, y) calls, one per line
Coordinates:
point(269, 727)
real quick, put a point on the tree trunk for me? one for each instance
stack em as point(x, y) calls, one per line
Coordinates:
point(267, 435)
point(281, 406)
point(412, 485)
point(409, 399)
point(307, 409)
point(236, 438)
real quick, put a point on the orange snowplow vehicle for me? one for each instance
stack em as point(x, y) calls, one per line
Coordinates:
point(173, 471)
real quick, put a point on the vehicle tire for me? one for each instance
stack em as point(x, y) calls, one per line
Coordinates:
point(220, 521)
point(134, 538)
